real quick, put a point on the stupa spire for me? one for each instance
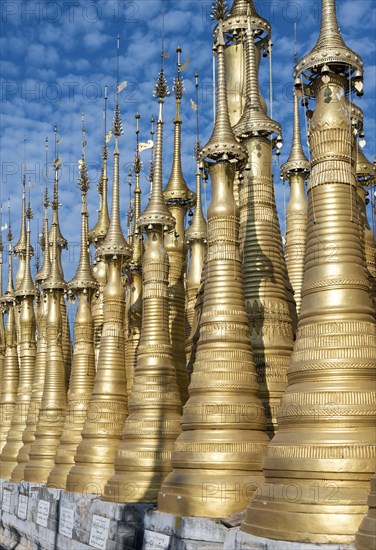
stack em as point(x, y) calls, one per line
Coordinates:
point(331, 53)
point(9, 293)
point(115, 243)
point(296, 169)
point(20, 246)
point(55, 278)
point(46, 263)
point(176, 188)
point(178, 199)
point(156, 212)
point(26, 287)
point(196, 240)
point(297, 161)
point(134, 313)
point(61, 242)
point(254, 120)
point(137, 241)
point(222, 143)
point(83, 278)
point(99, 232)
point(197, 230)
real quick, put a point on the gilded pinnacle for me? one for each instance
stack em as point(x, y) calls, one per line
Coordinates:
point(219, 10)
point(46, 265)
point(178, 88)
point(55, 279)
point(60, 240)
point(331, 50)
point(161, 90)
point(27, 287)
point(237, 20)
point(1, 238)
point(117, 127)
point(156, 212)
point(114, 243)
point(83, 279)
point(297, 161)
point(137, 165)
point(254, 120)
point(197, 231)
point(20, 247)
point(222, 145)
point(100, 230)
point(177, 191)
point(137, 239)
point(84, 182)
point(9, 293)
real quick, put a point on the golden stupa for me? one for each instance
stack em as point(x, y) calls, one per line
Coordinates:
point(212, 371)
point(223, 423)
point(102, 430)
point(325, 446)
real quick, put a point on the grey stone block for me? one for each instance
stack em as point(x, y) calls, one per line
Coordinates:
point(81, 535)
point(179, 544)
point(201, 529)
point(161, 522)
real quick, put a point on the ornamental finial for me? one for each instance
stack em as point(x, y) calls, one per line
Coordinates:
point(156, 212)
point(198, 228)
point(254, 120)
point(99, 232)
point(176, 191)
point(331, 54)
point(46, 264)
point(237, 20)
point(222, 144)
point(27, 287)
point(9, 293)
point(115, 244)
point(297, 161)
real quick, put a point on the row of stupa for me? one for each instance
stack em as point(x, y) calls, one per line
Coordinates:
point(249, 373)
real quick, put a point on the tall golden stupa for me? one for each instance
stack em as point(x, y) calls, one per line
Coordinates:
point(213, 371)
point(325, 446)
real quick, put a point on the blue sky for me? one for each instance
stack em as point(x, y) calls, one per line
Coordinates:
point(57, 56)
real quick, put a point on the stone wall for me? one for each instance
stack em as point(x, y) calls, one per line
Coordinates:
point(36, 518)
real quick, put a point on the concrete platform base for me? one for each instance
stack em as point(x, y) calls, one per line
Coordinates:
point(36, 518)
point(169, 532)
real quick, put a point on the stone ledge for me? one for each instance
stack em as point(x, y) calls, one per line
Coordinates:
point(169, 532)
point(237, 540)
